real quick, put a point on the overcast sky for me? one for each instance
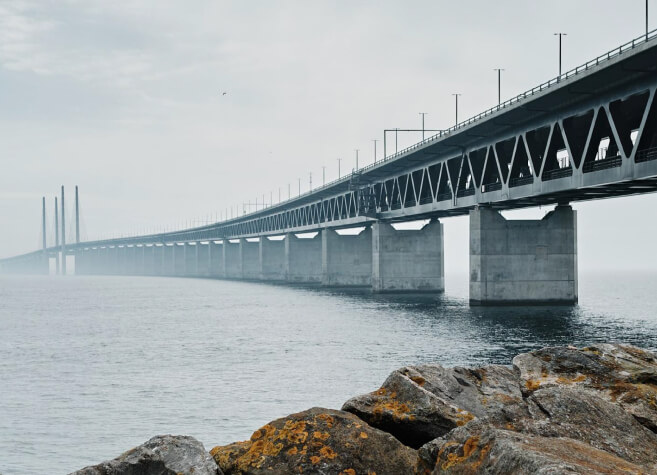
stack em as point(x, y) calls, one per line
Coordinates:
point(125, 99)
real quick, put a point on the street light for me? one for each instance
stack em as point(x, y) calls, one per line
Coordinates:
point(423, 114)
point(560, 35)
point(323, 175)
point(356, 159)
point(646, 20)
point(375, 141)
point(499, 85)
point(339, 160)
point(456, 96)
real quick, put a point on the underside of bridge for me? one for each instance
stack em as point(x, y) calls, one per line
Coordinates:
point(589, 134)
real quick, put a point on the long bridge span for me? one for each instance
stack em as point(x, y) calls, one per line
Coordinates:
point(590, 133)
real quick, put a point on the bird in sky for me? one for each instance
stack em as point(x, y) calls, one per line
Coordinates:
point(224, 93)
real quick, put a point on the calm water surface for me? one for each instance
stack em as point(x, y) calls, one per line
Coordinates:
point(92, 366)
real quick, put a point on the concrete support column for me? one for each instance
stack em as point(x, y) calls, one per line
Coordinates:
point(169, 259)
point(179, 259)
point(408, 260)
point(190, 260)
point(202, 259)
point(523, 262)
point(250, 257)
point(347, 259)
point(303, 259)
point(216, 259)
point(232, 259)
point(272, 259)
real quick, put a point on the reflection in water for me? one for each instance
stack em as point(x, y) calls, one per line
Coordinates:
point(91, 366)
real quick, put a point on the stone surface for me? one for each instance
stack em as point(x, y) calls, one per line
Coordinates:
point(317, 441)
point(476, 449)
point(417, 404)
point(624, 375)
point(161, 455)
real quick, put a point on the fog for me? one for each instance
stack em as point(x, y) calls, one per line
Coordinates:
point(128, 103)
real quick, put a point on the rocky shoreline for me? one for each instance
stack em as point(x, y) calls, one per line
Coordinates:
point(556, 410)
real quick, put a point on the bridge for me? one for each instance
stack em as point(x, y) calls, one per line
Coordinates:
point(590, 133)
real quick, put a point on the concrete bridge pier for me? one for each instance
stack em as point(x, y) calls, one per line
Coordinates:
point(232, 259)
point(250, 257)
point(523, 262)
point(303, 259)
point(272, 259)
point(190, 259)
point(408, 260)
point(202, 264)
point(216, 266)
point(169, 259)
point(347, 259)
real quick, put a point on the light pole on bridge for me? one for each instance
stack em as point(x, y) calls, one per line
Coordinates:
point(423, 114)
point(356, 159)
point(339, 160)
point(560, 35)
point(375, 141)
point(456, 97)
point(499, 85)
point(323, 175)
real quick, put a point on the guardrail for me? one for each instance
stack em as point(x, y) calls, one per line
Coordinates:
point(604, 164)
point(558, 173)
point(646, 155)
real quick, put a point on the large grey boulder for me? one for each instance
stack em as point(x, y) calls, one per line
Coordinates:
point(161, 455)
point(318, 440)
point(419, 403)
point(477, 449)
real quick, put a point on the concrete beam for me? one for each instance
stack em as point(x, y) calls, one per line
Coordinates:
point(408, 260)
point(523, 262)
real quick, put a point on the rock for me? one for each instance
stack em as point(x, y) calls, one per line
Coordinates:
point(161, 455)
point(624, 375)
point(317, 441)
point(588, 418)
point(418, 404)
point(474, 449)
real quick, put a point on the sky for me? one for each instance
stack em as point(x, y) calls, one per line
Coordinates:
point(126, 100)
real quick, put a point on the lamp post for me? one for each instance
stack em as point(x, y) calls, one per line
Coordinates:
point(646, 20)
point(323, 175)
point(456, 96)
point(499, 85)
point(560, 35)
point(375, 141)
point(310, 181)
point(423, 114)
point(356, 159)
point(339, 160)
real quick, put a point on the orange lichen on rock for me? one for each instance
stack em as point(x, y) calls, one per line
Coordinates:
point(315, 459)
point(398, 410)
point(419, 380)
point(567, 381)
point(348, 471)
point(381, 392)
point(363, 435)
point(327, 418)
point(321, 435)
point(532, 384)
point(463, 417)
point(470, 448)
point(327, 452)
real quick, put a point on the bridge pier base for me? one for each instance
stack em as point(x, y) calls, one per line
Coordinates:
point(523, 262)
point(272, 259)
point(347, 259)
point(408, 260)
point(303, 259)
